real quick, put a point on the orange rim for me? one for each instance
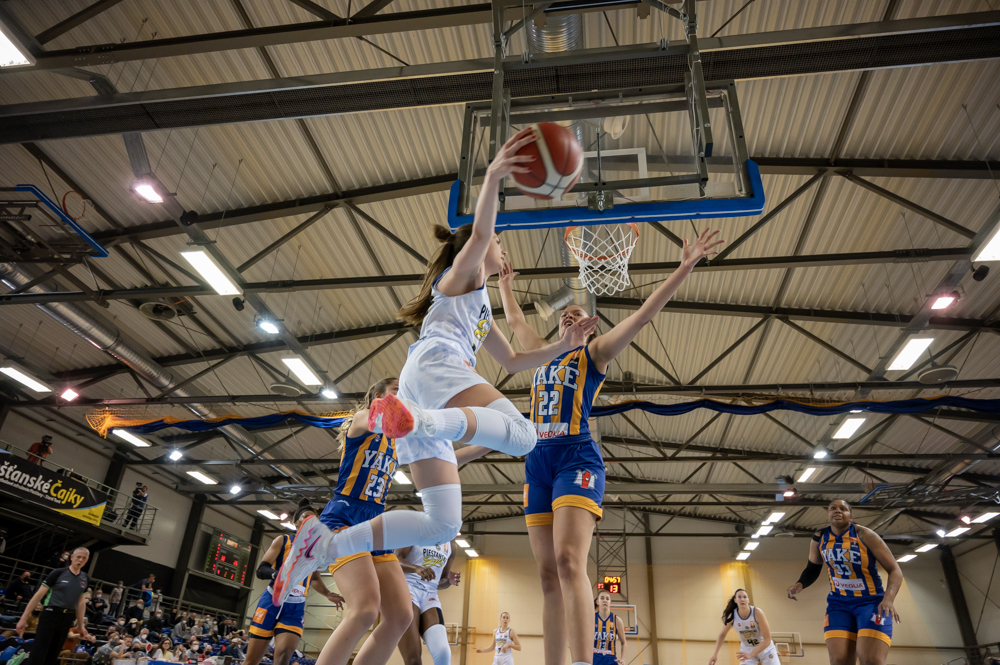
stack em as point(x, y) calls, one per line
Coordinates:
point(588, 257)
point(83, 200)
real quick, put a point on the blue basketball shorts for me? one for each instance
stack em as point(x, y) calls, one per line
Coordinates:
point(561, 474)
point(851, 618)
point(344, 511)
point(270, 620)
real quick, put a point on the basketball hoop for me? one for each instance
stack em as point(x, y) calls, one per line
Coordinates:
point(75, 205)
point(603, 253)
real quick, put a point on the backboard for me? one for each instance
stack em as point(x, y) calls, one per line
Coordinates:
point(789, 645)
point(628, 617)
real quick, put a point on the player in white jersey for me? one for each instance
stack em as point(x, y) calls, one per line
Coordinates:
point(749, 622)
point(504, 641)
point(428, 570)
point(445, 399)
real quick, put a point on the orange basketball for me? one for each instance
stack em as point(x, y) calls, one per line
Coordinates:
point(558, 162)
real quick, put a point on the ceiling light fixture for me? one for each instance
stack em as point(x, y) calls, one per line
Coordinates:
point(788, 493)
point(989, 250)
point(212, 273)
point(301, 371)
point(471, 553)
point(176, 455)
point(24, 379)
point(12, 51)
point(463, 543)
point(283, 516)
point(751, 545)
point(268, 326)
point(966, 519)
point(955, 533)
point(807, 474)
point(329, 393)
point(985, 517)
point(927, 548)
point(235, 489)
point(763, 530)
point(773, 518)
point(131, 438)
point(906, 557)
point(743, 556)
point(941, 302)
point(268, 514)
point(400, 477)
point(909, 353)
point(69, 395)
point(289, 526)
point(848, 428)
point(201, 477)
point(147, 189)
point(820, 452)
point(940, 533)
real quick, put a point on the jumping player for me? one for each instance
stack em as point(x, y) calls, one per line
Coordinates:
point(427, 569)
point(283, 623)
point(609, 632)
point(371, 582)
point(564, 474)
point(445, 399)
point(504, 640)
point(859, 612)
point(749, 622)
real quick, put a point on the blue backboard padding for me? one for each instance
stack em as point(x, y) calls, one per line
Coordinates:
point(625, 212)
point(66, 219)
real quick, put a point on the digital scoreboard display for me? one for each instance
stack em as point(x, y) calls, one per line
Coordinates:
point(611, 584)
point(228, 557)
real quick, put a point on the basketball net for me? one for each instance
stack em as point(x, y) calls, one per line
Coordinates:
point(603, 253)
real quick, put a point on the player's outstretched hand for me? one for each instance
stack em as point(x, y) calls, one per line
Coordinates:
point(702, 247)
point(507, 273)
point(336, 599)
point(454, 577)
point(712, 660)
point(887, 609)
point(578, 334)
point(794, 590)
point(507, 160)
point(741, 656)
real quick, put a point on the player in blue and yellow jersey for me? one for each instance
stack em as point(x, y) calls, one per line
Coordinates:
point(564, 474)
point(283, 623)
point(859, 612)
point(371, 582)
point(609, 632)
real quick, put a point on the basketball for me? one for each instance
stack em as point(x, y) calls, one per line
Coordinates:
point(558, 162)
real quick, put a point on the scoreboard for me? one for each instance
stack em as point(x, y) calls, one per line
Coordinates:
point(228, 557)
point(611, 584)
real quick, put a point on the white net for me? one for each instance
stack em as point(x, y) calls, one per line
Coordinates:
point(603, 253)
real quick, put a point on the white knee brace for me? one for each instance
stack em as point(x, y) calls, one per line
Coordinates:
point(501, 426)
point(436, 639)
point(440, 521)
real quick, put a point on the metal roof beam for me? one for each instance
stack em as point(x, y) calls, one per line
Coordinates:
point(76, 19)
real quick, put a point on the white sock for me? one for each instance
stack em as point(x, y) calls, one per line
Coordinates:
point(436, 639)
point(501, 426)
point(582, 663)
point(440, 521)
point(352, 540)
point(450, 424)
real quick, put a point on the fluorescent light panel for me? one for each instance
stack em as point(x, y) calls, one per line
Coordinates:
point(743, 556)
point(268, 326)
point(131, 438)
point(821, 453)
point(69, 394)
point(328, 393)
point(806, 475)
point(991, 248)
point(24, 379)
point(751, 545)
point(148, 192)
point(906, 557)
point(289, 526)
point(940, 533)
point(848, 428)
point(471, 553)
point(400, 477)
point(207, 268)
point(301, 371)
point(201, 477)
point(762, 531)
point(909, 353)
point(773, 518)
point(176, 455)
point(268, 514)
point(235, 489)
point(927, 548)
point(463, 543)
point(954, 533)
point(942, 301)
point(985, 517)
point(12, 53)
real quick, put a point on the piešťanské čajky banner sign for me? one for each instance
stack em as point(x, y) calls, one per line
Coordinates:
point(55, 491)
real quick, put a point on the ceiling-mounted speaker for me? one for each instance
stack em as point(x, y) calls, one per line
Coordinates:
point(285, 389)
point(157, 310)
point(937, 374)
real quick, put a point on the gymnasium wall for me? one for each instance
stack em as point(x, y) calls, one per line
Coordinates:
point(693, 578)
point(979, 570)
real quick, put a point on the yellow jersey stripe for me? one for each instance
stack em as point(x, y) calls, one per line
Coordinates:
point(359, 458)
point(864, 566)
point(829, 546)
point(581, 382)
point(559, 388)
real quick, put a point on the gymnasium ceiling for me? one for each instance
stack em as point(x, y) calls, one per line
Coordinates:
point(927, 132)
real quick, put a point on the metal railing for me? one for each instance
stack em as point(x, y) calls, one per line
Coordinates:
point(120, 511)
point(10, 568)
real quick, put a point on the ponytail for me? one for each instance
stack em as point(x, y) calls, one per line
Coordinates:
point(727, 614)
point(376, 388)
point(414, 311)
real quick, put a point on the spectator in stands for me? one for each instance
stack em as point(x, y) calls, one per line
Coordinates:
point(194, 649)
point(192, 619)
point(181, 628)
point(40, 450)
point(175, 614)
point(110, 652)
point(73, 639)
point(226, 627)
point(139, 496)
point(155, 622)
point(120, 625)
point(132, 627)
point(165, 651)
point(136, 611)
point(235, 649)
point(97, 606)
point(20, 589)
point(62, 596)
point(143, 636)
point(116, 599)
point(60, 559)
point(157, 601)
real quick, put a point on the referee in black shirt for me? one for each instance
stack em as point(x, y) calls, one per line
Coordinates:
point(62, 595)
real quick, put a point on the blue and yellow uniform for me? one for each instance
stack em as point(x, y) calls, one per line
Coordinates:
point(855, 588)
point(366, 468)
point(566, 467)
point(269, 619)
point(605, 640)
